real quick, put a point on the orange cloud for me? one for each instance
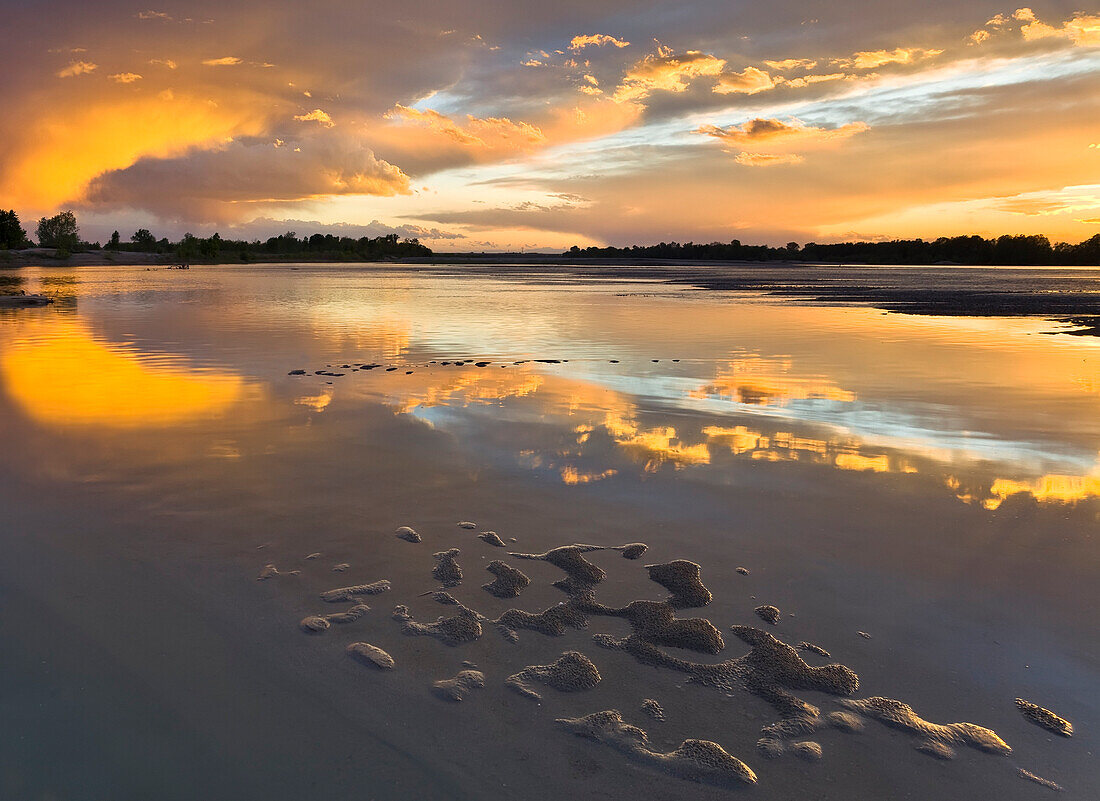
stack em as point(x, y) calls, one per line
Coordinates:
point(77, 68)
point(125, 77)
point(772, 131)
point(60, 151)
point(1083, 30)
point(870, 59)
point(595, 40)
point(749, 82)
point(792, 63)
point(666, 72)
point(767, 159)
point(489, 133)
point(226, 61)
point(807, 80)
point(317, 116)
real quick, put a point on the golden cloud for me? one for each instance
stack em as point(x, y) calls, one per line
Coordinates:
point(749, 81)
point(489, 133)
point(61, 150)
point(666, 72)
point(125, 77)
point(773, 130)
point(767, 159)
point(807, 80)
point(225, 61)
point(595, 40)
point(1083, 30)
point(792, 63)
point(871, 59)
point(77, 68)
point(318, 116)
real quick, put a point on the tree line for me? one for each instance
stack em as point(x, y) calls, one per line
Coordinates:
point(1022, 250)
point(62, 233)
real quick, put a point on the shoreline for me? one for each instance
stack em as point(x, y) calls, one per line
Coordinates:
point(1059, 301)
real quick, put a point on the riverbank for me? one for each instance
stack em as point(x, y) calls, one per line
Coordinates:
point(1067, 296)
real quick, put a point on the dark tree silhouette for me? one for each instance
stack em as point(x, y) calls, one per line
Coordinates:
point(144, 241)
point(12, 235)
point(59, 231)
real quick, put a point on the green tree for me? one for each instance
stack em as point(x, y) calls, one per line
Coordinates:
point(12, 235)
point(59, 231)
point(144, 240)
point(113, 244)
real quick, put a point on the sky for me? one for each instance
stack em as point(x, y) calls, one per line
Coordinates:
point(542, 125)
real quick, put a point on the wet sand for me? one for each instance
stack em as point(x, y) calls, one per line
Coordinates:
point(131, 589)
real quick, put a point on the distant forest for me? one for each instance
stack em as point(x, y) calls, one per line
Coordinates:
point(1004, 250)
point(62, 233)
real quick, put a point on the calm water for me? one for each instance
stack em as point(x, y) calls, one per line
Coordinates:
point(933, 482)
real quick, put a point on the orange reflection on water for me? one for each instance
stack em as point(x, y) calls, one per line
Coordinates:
point(470, 386)
point(762, 381)
point(657, 445)
point(1050, 488)
point(571, 475)
point(59, 373)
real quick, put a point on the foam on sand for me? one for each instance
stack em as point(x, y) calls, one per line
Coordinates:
point(347, 593)
point(695, 760)
point(934, 738)
point(1031, 777)
point(270, 572)
point(315, 624)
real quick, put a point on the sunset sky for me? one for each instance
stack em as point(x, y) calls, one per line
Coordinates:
point(506, 125)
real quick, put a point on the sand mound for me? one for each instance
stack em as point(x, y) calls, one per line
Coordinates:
point(370, 655)
point(768, 613)
point(408, 534)
point(1045, 718)
point(463, 627)
point(653, 709)
point(571, 672)
point(681, 578)
point(508, 583)
point(446, 570)
point(457, 688)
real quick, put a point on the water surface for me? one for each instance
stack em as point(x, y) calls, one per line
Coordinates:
point(931, 481)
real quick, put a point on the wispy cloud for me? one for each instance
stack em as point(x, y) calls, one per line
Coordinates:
point(77, 68)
